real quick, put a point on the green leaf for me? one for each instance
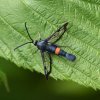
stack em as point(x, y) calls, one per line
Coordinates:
point(3, 79)
point(44, 17)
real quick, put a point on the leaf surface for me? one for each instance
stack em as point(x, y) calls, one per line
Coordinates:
point(44, 17)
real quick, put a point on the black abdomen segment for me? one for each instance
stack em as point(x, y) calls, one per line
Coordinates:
point(70, 57)
point(52, 49)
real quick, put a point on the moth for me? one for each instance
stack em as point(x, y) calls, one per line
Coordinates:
point(47, 47)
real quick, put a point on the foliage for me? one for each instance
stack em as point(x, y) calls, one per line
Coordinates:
point(3, 79)
point(44, 17)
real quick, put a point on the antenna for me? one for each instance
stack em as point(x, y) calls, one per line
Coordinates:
point(21, 45)
point(28, 32)
point(32, 41)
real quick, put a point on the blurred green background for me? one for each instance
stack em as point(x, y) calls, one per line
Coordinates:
point(27, 85)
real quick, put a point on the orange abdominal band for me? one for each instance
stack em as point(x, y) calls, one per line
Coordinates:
point(57, 51)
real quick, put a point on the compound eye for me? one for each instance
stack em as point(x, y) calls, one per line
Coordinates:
point(35, 42)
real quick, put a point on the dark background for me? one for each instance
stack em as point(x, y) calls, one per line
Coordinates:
point(27, 85)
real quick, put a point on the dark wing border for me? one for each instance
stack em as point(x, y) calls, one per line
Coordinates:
point(55, 39)
point(44, 59)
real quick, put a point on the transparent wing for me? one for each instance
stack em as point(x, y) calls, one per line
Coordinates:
point(57, 34)
point(47, 62)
